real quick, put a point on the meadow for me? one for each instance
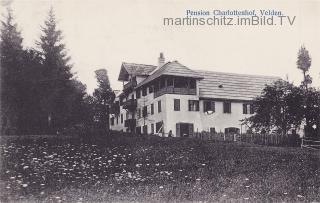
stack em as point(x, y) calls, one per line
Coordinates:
point(155, 169)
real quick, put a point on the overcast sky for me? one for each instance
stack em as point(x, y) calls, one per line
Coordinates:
point(103, 34)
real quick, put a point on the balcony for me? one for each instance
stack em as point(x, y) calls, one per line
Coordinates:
point(130, 123)
point(130, 85)
point(115, 108)
point(175, 90)
point(130, 104)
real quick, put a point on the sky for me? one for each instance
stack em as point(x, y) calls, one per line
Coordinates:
point(103, 34)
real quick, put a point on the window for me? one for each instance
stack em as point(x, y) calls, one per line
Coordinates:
point(192, 84)
point(138, 94)
point(132, 96)
point(121, 118)
point(150, 89)
point(162, 83)
point(145, 111)
point(152, 109)
point(209, 106)
point(156, 87)
point(145, 129)
point(193, 105)
point(245, 108)
point(159, 106)
point(226, 107)
point(139, 112)
point(170, 82)
point(127, 115)
point(112, 121)
point(232, 130)
point(180, 82)
point(117, 119)
point(144, 91)
point(177, 104)
point(152, 128)
point(248, 109)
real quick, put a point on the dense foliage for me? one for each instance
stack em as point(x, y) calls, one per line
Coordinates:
point(283, 106)
point(39, 93)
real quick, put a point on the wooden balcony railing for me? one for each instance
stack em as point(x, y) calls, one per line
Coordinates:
point(175, 90)
point(130, 104)
point(131, 84)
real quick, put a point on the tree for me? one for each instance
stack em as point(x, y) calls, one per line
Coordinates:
point(279, 108)
point(11, 68)
point(31, 117)
point(104, 97)
point(304, 63)
point(61, 94)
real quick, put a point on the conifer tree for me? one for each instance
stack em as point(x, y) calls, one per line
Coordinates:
point(11, 68)
point(58, 85)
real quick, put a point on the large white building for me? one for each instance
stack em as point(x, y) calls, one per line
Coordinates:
point(173, 97)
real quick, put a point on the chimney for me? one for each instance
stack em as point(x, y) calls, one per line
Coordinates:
point(161, 60)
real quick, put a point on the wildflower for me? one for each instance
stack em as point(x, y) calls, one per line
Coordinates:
point(24, 185)
point(160, 187)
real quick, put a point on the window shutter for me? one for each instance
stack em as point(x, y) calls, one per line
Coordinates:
point(152, 109)
point(159, 106)
point(251, 109)
point(190, 130)
point(213, 106)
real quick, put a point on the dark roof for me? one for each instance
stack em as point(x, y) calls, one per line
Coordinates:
point(171, 68)
point(134, 69)
point(220, 85)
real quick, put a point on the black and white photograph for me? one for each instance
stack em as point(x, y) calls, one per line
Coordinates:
point(159, 101)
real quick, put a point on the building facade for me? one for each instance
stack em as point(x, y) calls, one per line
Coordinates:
point(172, 97)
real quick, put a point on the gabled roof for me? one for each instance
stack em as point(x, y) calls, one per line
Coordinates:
point(134, 69)
point(220, 85)
point(171, 68)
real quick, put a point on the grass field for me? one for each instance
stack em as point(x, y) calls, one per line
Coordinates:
point(154, 169)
